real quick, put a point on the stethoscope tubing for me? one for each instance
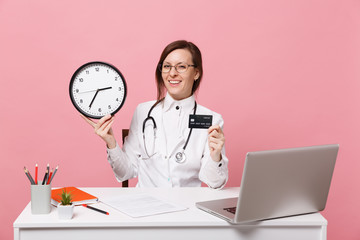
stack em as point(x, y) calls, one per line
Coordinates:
point(150, 118)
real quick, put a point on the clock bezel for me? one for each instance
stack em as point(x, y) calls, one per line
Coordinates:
point(75, 75)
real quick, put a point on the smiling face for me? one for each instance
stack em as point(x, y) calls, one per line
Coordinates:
point(179, 85)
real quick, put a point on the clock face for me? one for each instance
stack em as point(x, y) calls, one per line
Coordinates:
point(97, 89)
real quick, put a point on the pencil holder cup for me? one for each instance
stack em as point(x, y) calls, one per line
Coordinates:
point(40, 199)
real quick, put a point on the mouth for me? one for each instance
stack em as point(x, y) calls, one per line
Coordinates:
point(174, 82)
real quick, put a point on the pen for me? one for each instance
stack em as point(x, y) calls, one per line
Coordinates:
point(54, 173)
point(46, 173)
point(96, 209)
point(29, 176)
point(36, 173)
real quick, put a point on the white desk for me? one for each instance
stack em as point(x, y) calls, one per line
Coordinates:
point(185, 225)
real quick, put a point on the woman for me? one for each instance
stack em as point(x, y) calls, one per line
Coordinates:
point(161, 150)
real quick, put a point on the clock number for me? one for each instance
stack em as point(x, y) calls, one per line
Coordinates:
point(87, 71)
point(109, 107)
point(77, 90)
point(107, 70)
point(81, 80)
point(97, 69)
point(119, 88)
point(116, 78)
point(99, 109)
point(81, 101)
point(117, 99)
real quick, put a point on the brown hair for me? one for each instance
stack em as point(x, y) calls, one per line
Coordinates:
point(196, 58)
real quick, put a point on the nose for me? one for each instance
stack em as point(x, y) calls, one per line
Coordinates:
point(173, 72)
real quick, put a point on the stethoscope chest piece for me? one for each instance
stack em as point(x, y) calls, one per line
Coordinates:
point(180, 157)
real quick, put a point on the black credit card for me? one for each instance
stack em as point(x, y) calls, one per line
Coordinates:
point(200, 121)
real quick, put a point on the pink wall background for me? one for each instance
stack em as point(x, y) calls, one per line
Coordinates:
point(282, 74)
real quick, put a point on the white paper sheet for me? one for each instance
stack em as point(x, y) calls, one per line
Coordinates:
point(140, 205)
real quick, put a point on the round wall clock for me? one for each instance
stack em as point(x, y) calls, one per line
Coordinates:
point(97, 89)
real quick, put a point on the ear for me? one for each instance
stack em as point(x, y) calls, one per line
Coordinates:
point(197, 74)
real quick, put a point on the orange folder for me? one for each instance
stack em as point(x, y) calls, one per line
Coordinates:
point(79, 196)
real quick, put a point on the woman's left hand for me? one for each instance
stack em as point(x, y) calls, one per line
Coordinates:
point(216, 141)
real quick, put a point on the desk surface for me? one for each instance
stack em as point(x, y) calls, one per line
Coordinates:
point(185, 196)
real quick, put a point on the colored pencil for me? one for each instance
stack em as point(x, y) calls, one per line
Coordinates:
point(51, 173)
point(48, 170)
point(29, 176)
point(54, 173)
point(45, 176)
point(96, 209)
point(36, 173)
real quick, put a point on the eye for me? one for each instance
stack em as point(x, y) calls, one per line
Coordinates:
point(166, 66)
point(181, 66)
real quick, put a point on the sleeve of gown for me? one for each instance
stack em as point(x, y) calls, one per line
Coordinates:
point(214, 174)
point(124, 162)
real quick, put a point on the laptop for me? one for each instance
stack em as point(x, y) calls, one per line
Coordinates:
point(279, 183)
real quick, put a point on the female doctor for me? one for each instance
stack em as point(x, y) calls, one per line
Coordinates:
point(161, 150)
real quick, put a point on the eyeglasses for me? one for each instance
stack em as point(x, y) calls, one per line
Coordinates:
point(180, 67)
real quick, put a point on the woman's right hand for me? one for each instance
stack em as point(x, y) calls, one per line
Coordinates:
point(103, 129)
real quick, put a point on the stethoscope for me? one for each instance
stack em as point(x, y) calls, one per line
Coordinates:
point(180, 156)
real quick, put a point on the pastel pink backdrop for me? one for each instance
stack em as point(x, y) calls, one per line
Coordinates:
point(282, 74)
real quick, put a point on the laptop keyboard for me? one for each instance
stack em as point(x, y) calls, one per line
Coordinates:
point(231, 209)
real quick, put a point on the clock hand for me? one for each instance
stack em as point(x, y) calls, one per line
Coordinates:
point(89, 91)
point(97, 91)
point(101, 89)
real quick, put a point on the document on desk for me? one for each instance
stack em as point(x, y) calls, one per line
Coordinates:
point(141, 205)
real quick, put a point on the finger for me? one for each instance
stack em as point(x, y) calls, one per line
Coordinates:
point(102, 123)
point(218, 139)
point(89, 121)
point(105, 124)
point(215, 134)
point(214, 140)
point(108, 127)
point(105, 131)
point(218, 142)
point(104, 119)
point(214, 127)
point(214, 147)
